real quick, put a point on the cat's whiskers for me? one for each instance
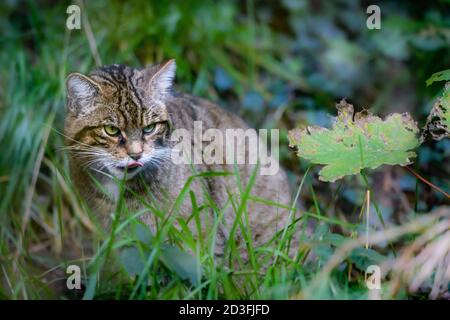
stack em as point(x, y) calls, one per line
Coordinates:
point(159, 156)
point(96, 159)
point(103, 173)
point(101, 161)
point(84, 152)
point(71, 139)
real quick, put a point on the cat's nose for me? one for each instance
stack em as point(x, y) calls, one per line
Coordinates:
point(134, 150)
point(135, 156)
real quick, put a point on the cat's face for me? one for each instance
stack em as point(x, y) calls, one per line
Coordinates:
point(116, 120)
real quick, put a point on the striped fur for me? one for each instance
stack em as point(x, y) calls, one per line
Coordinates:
point(131, 99)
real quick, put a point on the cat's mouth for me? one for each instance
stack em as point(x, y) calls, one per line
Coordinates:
point(132, 166)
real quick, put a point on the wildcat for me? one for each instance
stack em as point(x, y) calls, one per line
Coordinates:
point(118, 125)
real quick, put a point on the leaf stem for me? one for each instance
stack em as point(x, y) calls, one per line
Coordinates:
point(430, 184)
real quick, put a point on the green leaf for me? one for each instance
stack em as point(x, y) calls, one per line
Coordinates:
point(132, 260)
point(143, 233)
point(181, 263)
point(134, 257)
point(439, 76)
point(352, 145)
point(363, 258)
point(438, 121)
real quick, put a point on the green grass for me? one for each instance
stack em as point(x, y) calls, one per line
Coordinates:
point(45, 226)
point(166, 272)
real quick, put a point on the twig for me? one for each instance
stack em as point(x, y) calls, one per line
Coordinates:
point(367, 218)
point(384, 235)
point(418, 176)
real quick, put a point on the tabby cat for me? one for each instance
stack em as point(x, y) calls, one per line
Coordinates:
point(118, 126)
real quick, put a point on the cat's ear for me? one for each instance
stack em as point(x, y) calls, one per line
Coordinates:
point(159, 78)
point(80, 90)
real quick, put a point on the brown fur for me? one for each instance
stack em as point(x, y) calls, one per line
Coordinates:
point(131, 99)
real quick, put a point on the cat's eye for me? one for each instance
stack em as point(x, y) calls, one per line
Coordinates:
point(111, 130)
point(149, 129)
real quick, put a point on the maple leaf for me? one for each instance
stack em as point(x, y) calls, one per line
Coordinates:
point(357, 141)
